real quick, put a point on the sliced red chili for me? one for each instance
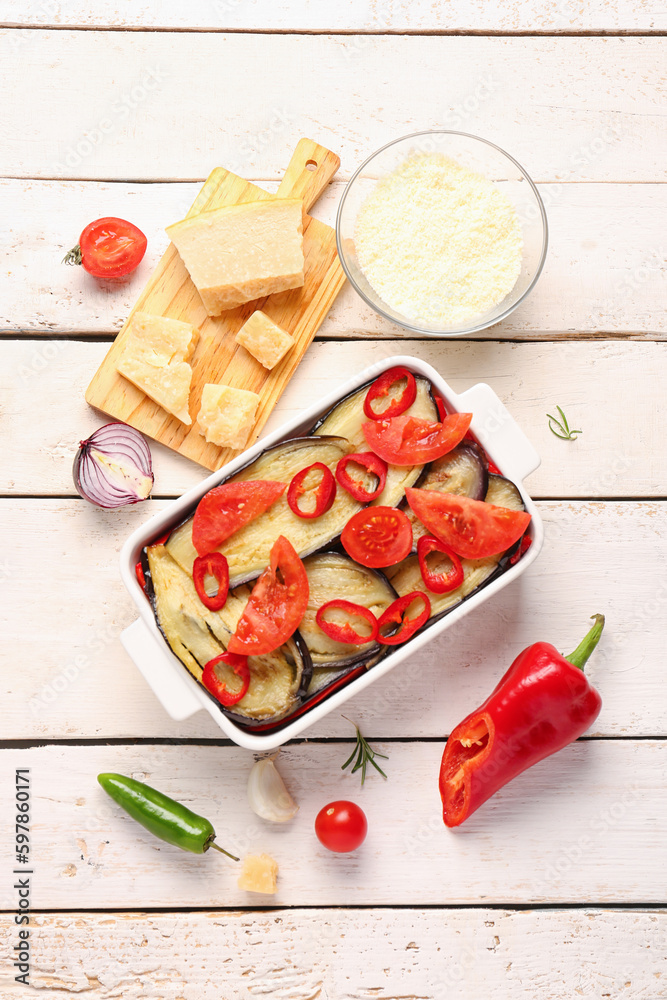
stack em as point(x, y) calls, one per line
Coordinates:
point(215, 565)
point(381, 388)
point(441, 408)
point(217, 687)
point(526, 542)
point(438, 583)
point(344, 631)
point(356, 487)
point(493, 468)
point(324, 493)
point(395, 614)
point(140, 575)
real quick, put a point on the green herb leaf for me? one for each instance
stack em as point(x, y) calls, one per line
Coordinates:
point(561, 428)
point(364, 754)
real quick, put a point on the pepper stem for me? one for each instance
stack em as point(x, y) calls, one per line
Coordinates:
point(212, 843)
point(587, 644)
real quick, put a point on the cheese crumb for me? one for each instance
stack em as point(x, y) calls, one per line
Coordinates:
point(439, 243)
point(154, 359)
point(227, 415)
point(264, 339)
point(260, 874)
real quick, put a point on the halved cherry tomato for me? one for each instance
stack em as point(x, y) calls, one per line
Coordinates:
point(276, 605)
point(341, 826)
point(356, 487)
point(472, 528)
point(324, 493)
point(438, 583)
point(377, 536)
point(410, 440)
point(344, 631)
point(218, 688)
point(214, 564)
point(396, 614)
point(225, 509)
point(380, 389)
point(109, 248)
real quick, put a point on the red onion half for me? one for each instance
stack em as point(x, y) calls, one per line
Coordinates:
point(113, 467)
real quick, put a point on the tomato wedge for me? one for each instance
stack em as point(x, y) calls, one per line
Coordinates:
point(409, 440)
point(218, 688)
point(472, 528)
point(377, 536)
point(396, 613)
point(381, 389)
point(276, 606)
point(345, 631)
point(356, 487)
point(323, 494)
point(214, 564)
point(438, 583)
point(225, 509)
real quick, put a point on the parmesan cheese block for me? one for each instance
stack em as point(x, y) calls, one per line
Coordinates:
point(242, 252)
point(259, 874)
point(265, 340)
point(227, 415)
point(154, 358)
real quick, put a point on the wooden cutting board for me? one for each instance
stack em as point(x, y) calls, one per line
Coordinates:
point(218, 358)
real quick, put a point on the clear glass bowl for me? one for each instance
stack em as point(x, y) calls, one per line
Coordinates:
point(478, 155)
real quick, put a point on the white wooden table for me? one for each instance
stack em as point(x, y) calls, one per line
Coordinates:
point(556, 889)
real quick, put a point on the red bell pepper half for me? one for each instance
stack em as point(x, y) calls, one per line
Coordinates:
point(542, 703)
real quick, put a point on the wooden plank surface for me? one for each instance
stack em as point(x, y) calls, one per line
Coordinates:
point(346, 15)
point(567, 108)
point(69, 677)
point(606, 267)
point(217, 358)
point(619, 454)
point(302, 955)
point(592, 799)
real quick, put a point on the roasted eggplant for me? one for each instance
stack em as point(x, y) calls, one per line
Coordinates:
point(332, 575)
point(248, 549)
point(346, 420)
point(279, 680)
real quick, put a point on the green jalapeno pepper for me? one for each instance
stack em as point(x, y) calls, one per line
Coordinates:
point(160, 815)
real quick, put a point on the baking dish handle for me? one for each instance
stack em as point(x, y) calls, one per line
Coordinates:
point(498, 433)
point(161, 675)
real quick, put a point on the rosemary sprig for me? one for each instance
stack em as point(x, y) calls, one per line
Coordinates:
point(364, 754)
point(563, 430)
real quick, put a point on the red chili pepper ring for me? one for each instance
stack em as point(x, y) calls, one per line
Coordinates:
point(216, 565)
point(395, 614)
point(381, 389)
point(356, 487)
point(324, 492)
point(345, 632)
point(218, 688)
point(438, 583)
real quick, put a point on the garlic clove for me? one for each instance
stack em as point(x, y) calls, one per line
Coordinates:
point(267, 794)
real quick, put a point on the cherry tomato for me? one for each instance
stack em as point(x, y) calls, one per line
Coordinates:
point(410, 440)
point(377, 536)
point(109, 248)
point(225, 509)
point(356, 487)
point(323, 493)
point(341, 826)
point(438, 583)
point(397, 614)
point(472, 528)
point(214, 564)
point(276, 605)
point(217, 687)
point(381, 389)
point(345, 631)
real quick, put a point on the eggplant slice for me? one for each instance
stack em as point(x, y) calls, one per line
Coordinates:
point(463, 471)
point(406, 576)
point(248, 550)
point(278, 680)
point(346, 420)
point(335, 576)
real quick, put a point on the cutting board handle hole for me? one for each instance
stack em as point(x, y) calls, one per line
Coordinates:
point(311, 164)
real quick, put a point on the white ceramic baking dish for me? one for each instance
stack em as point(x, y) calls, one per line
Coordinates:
point(174, 686)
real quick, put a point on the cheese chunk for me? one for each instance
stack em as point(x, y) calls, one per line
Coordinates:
point(227, 415)
point(154, 358)
point(242, 252)
point(265, 340)
point(259, 874)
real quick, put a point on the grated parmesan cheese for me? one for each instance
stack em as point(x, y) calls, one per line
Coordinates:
point(439, 243)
